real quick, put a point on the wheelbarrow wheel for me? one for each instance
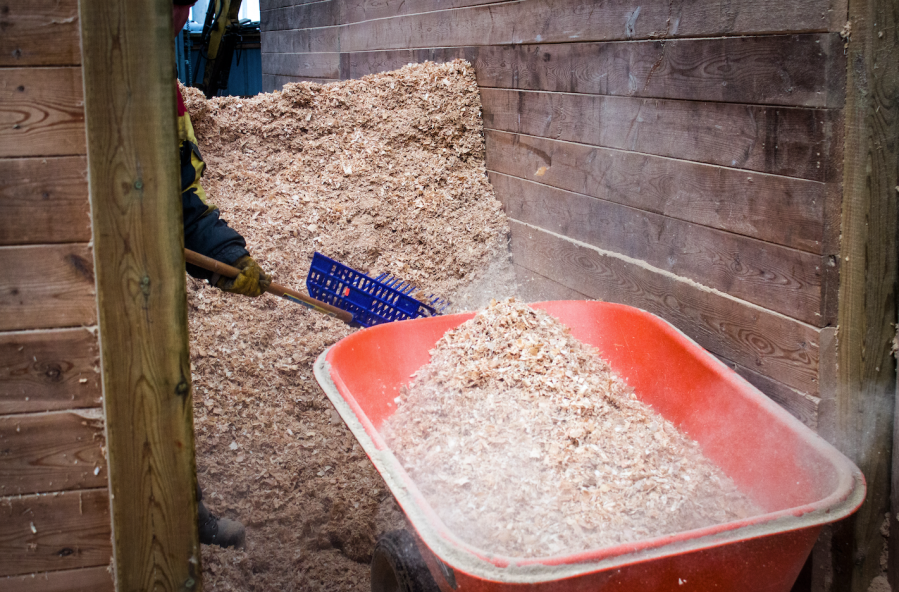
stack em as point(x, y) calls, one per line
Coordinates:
point(397, 565)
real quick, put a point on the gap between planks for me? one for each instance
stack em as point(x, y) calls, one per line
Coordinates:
point(686, 221)
point(670, 275)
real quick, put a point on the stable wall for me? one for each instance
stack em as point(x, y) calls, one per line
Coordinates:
point(97, 476)
point(729, 166)
point(54, 501)
point(682, 157)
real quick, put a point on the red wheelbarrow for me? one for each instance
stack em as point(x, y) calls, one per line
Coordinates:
point(800, 481)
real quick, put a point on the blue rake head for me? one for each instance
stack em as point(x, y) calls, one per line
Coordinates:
point(371, 301)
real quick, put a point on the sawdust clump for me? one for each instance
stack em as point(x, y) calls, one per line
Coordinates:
point(385, 174)
point(527, 444)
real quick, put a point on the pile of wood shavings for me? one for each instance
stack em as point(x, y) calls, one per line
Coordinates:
point(385, 174)
point(527, 444)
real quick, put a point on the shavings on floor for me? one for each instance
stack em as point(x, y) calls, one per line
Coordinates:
point(527, 444)
point(385, 174)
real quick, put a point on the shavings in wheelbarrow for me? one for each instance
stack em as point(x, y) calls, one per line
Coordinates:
point(527, 444)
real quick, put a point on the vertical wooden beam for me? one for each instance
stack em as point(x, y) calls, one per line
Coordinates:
point(127, 52)
point(893, 557)
point(863, 409)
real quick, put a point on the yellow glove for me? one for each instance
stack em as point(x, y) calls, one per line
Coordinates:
point(252, 281)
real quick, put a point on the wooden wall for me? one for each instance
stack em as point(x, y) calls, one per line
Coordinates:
point(686, 157)
point(683, 157)
point(54, 500)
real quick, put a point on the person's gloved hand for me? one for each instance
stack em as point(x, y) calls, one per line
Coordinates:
point(252, 281)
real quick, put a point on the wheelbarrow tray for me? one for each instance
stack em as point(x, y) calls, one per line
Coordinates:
point(800, 481)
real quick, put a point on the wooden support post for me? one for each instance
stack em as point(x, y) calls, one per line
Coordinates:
point(127, 50)
point(861, 415)
point(893, 557)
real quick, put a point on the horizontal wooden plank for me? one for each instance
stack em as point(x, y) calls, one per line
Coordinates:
point(49, 532)
point(267, 5)
point(44, 200)
point(793, 70)
point(801, 70)
point(88, 579)
point(306, 65)
point(40, 33)
point(774, 277)
point(41, 112)
point(302, 41)
point(791, 141)
point(800, 405)
point(306, 15)
point(49, 370)
point(771, 344)
point(272, 83)
point(562, 21)
point(363, 63)
point(47, 286)
point(56, 451)
point(533, 287)
point(781, 210)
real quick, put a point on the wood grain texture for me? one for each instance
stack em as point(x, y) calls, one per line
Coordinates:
point(307, 65)
point(44, 200)
point(359, 64)
point(305, 15)
point(549, 21)
point(793, 70)
point(273, 83)
point(56, 451)
point(774, 277)
point(863, 409)
point(533, 287)
point(893, 543)
point(88, 579)
point(798, 70)
point(267, 5)
point(47, 286)
point(138, 237)
point(795, 142)
point(54, 532)
point(561, 21)
point(770, 344)
point(49, 370)
point(39, 33)
point(301, 41)
point(41, 112)
point(800, 405)
point(722, 198)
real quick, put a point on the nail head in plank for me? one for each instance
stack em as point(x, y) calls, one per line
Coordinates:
point(47, 452)
point(55, 532)
point(44, 200)
point(41, 112)
point(49, 370)
point(47, 286)
point(39, 33)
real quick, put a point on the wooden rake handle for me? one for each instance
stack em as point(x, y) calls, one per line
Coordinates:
point(210, 264)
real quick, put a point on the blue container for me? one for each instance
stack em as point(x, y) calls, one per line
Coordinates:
point(371, 301)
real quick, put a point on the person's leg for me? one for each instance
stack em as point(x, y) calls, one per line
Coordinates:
point(223, 532)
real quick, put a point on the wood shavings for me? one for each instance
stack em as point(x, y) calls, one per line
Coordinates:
point(381, 180)
point(527, 444)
